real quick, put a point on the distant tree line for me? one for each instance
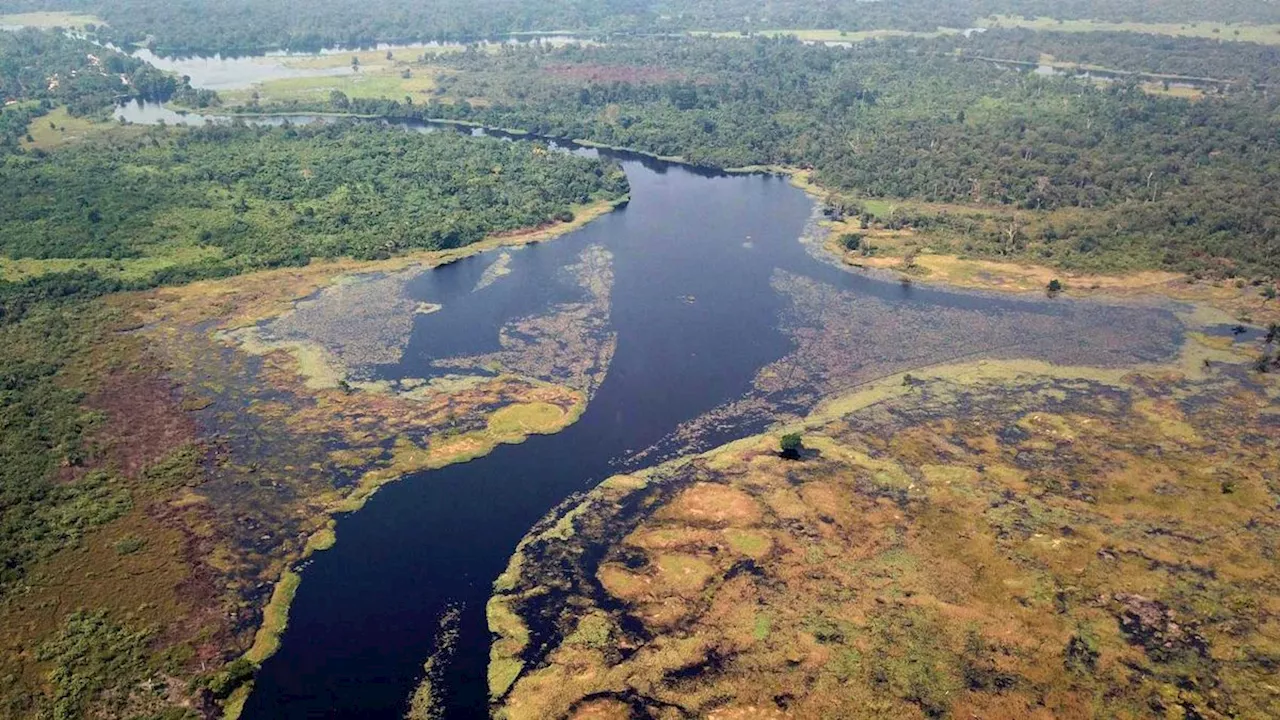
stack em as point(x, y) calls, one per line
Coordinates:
point(266, 197)
point(251, 26)
point(1165, 181)
point(1243, 62)
point(41, 68)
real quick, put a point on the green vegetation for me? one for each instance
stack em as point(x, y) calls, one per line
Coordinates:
point(255, 197)
point(99, 458)
point(275, 618)
point(257, 25)
point(42, 426)
point(91, 655)
point(1062, 546)
point(1207, 28)
point(1134, 180)
point(1186, 59)
point(52, 68)
point(70, 21)
point(791, 444)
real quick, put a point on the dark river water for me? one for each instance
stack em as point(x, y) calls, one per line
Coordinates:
point(696, 309)
point(696, 318)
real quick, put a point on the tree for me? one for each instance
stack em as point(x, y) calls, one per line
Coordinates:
point(790, 445)
point(1055, 286)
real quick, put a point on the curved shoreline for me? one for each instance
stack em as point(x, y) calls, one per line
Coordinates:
point(292, 373)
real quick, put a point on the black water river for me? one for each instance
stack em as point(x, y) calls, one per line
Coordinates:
point(696, 316)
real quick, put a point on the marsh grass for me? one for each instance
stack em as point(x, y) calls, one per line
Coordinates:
point(962, 547)
point(1227, 32)
point(275, 618)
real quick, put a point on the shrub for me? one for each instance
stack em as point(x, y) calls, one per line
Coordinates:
point(791, 444)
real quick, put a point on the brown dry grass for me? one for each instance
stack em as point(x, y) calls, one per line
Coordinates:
point(219, 528)
point(940, 554)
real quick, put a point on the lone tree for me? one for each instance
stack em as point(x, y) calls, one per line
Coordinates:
point(1055, 286)
point(791, 444)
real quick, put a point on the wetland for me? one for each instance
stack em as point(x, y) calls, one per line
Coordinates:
point(672, 359)
point(381, 419)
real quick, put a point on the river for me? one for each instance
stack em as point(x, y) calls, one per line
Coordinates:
point(696, 318)
point(701, 264)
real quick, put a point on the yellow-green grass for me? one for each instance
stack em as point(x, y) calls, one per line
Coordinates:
point(849, 36)
point(130, 269)
point(526, 418)
point(910, 606)
point(275, 618)
point(369, 59)
point(75, 21)
point(368, 83)
point(1266, 34)
point(59, 127)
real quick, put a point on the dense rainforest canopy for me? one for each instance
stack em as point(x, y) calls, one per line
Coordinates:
point(207, 26)
point(1166, 181)
point(265, 197)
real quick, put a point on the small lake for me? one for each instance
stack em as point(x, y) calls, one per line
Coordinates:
point(711, 283)
point(218, 72)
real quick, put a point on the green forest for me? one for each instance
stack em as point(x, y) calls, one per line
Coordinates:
point(967, 139)
point(41, 69)
point(269, 196)
point(1159, 181)
point(247, 26)
point(1243, 64)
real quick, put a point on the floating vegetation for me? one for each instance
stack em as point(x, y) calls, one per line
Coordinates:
point(426, 701)
point(844, 339)
point(499, 268)
point(361, 321)
point(570, 344)
point(991, 539)
point(236, 411)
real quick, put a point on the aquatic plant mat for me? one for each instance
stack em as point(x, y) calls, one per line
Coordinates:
point(985, 539)
point(844, 338)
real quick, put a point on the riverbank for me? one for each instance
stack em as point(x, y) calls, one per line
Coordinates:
point(434, 424)
point(900, 562)
point(226, 467)
point(912, 256)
